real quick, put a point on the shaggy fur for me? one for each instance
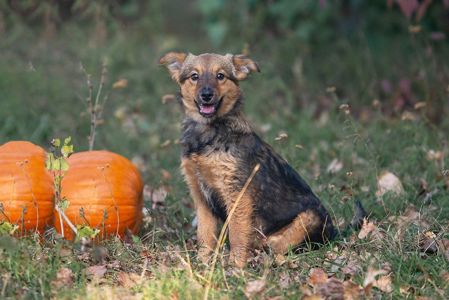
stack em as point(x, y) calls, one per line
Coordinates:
point(220, 149)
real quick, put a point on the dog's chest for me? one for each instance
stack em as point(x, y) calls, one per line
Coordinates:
point(216, 171)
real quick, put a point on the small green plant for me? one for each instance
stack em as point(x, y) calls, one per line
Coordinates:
point(57, 164)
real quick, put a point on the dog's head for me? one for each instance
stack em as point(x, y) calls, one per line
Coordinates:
point(209, 82)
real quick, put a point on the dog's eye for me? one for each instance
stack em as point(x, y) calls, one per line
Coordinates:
point(220, 76)
point(194, 77)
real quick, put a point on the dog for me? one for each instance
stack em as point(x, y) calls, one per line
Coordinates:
point(219, 152)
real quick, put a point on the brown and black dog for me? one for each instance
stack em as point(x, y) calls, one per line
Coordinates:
point(219, 152)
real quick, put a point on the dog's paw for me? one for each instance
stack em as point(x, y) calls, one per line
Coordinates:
point(277, 244)
point(238, 258)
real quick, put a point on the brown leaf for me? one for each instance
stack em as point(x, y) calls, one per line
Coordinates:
point(332, 289)
point(128, 280)
point(255, 287)
point(410, 216)
point(408, 116)
point(317, 276)
point(433, 155)
point(388, 182)
point(166, 175)
point(155, 196)
point(352, 267)
point(445, 276)
point(285, 280)
point(281, 136)
point(120, 84)
point(419, 105)
point(168, 98)
point(370, 278)
point(97, 271)
point(280, 259)
point(367, 228)
point(64, 278)
point(334, 167)
point(384, 284)
point(352, 291)
point(428, 243)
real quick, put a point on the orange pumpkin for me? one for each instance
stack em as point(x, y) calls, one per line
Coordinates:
point(104, 191)
point(26, 187)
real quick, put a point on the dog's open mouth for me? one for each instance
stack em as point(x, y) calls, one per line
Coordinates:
point(208, 110)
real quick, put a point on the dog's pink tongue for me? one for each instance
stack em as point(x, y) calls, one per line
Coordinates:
point(207, 109)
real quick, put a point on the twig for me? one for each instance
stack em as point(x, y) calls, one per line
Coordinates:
point(221, 237)
point(66, 219)
point(95, 106)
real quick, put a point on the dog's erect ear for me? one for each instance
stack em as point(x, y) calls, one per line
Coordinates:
point(173, 61)
point(243, 66)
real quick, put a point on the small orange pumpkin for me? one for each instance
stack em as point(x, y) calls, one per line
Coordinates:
point(26, 187)
point(104, 191)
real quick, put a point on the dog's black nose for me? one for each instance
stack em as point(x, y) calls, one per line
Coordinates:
point(206, 94)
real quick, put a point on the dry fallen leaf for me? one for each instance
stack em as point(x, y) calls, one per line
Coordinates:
point(445, 276)
point(97, 271)
point(433, 155)
point(280, 259)
point(334, 167)
point(384, 284)
point(370, 278)
point(285, 280)
point(166, 175)
point(428, 243)
point(158, 196)
point(120, 84)
point(388, 182)
point(255, 287)
point(281, 136)
point(155, 196)
point(367, 228)
point(317, 276)
point(332, 289)
point(404, 221)
point(408, 116)
point(352, 291)
point(345, 108)
point(168, 98)
point(419, 105)
point(64, 278)
point(352, 267)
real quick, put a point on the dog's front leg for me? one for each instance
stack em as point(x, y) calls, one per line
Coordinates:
point(206, 231)
point(240, 231)
point(207, 223)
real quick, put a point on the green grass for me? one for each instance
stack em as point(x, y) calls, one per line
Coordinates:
point(42, 92)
